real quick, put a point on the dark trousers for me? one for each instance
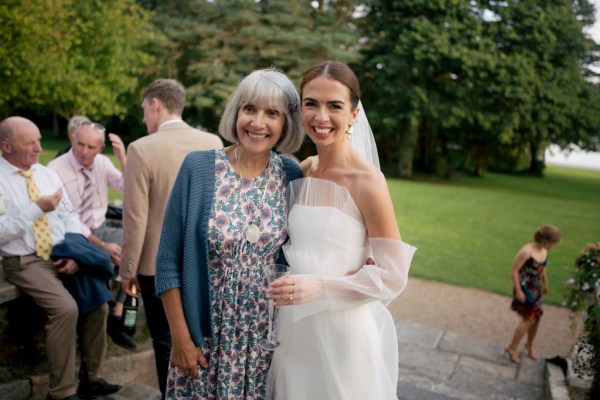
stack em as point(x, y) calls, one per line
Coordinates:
point(158, 325)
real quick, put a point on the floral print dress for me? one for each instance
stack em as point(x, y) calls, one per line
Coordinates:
point(237, 365)
point(530, 277)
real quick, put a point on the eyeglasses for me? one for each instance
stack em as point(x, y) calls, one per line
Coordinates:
point(96, 125)
point(74, 192)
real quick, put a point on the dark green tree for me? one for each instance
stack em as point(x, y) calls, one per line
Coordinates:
point(549, 35)
point(433, 82)
point(213, 44)
point(452, 83)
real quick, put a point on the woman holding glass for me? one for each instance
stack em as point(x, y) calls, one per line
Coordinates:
point(338, 340)
point(225, 220)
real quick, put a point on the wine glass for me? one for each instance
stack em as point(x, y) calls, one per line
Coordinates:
point(271, 273)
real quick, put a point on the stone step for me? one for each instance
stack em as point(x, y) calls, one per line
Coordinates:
point(8, 291)
point(136, 371)
point(439, 365)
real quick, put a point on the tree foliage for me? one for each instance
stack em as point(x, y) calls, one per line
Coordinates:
point(72, 57)
point(447, 84)
point(213, 44)
point(549, 36)
point(455, 82)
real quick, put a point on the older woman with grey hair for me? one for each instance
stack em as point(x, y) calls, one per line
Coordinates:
point(226, 219)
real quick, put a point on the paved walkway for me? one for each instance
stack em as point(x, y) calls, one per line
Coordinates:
point(456, 354)
point(433, 365)
point(440, 365)
point(480, 315)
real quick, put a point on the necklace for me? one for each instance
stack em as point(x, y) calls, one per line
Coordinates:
point(251, 230)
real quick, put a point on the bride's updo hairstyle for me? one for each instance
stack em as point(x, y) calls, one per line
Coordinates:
point(337, 71)
point(269, 89)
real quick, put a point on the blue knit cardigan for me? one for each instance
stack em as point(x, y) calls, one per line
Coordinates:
point(183, 250)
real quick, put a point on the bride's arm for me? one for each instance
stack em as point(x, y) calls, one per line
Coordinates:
point(372, 197)
point(383, 281)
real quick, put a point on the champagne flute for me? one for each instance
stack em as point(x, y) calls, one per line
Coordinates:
point(271, 273)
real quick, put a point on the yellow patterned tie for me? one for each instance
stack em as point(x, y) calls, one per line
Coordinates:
point(41, 227)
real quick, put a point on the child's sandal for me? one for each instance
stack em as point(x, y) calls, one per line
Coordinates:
point(513, 355)
point(531, 352)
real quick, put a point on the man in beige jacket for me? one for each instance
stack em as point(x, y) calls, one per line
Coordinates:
point(152, 166)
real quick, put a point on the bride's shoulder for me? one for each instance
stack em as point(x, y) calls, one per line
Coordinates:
point(365, 184)
point(369, 177)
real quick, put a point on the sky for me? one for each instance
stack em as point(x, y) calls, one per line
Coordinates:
point(595, 30)
point(578, 159)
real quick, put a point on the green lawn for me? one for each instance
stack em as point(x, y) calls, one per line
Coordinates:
point(467, 232)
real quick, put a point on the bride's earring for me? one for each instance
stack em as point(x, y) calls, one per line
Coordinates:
point(349, 131)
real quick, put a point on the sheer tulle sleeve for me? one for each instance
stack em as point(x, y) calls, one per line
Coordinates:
point(328, 250)
point(383, 281)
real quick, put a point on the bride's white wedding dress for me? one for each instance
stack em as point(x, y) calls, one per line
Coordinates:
point(342, 345)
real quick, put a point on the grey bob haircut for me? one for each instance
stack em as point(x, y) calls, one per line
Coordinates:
point(269, 89)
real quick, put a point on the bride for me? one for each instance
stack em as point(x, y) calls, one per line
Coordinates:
point(338, 340)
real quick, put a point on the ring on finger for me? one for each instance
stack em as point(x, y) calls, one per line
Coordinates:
point(291, 296)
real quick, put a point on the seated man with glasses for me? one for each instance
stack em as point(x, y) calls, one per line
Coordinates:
point(87, 174)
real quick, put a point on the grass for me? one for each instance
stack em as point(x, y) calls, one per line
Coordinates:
point(468, 232)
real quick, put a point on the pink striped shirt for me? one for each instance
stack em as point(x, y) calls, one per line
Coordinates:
point(104, 174)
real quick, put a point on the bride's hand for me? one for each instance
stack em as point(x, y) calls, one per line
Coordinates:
point(297, 289)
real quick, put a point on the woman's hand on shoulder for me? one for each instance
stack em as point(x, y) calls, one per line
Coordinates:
point(308, 165)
